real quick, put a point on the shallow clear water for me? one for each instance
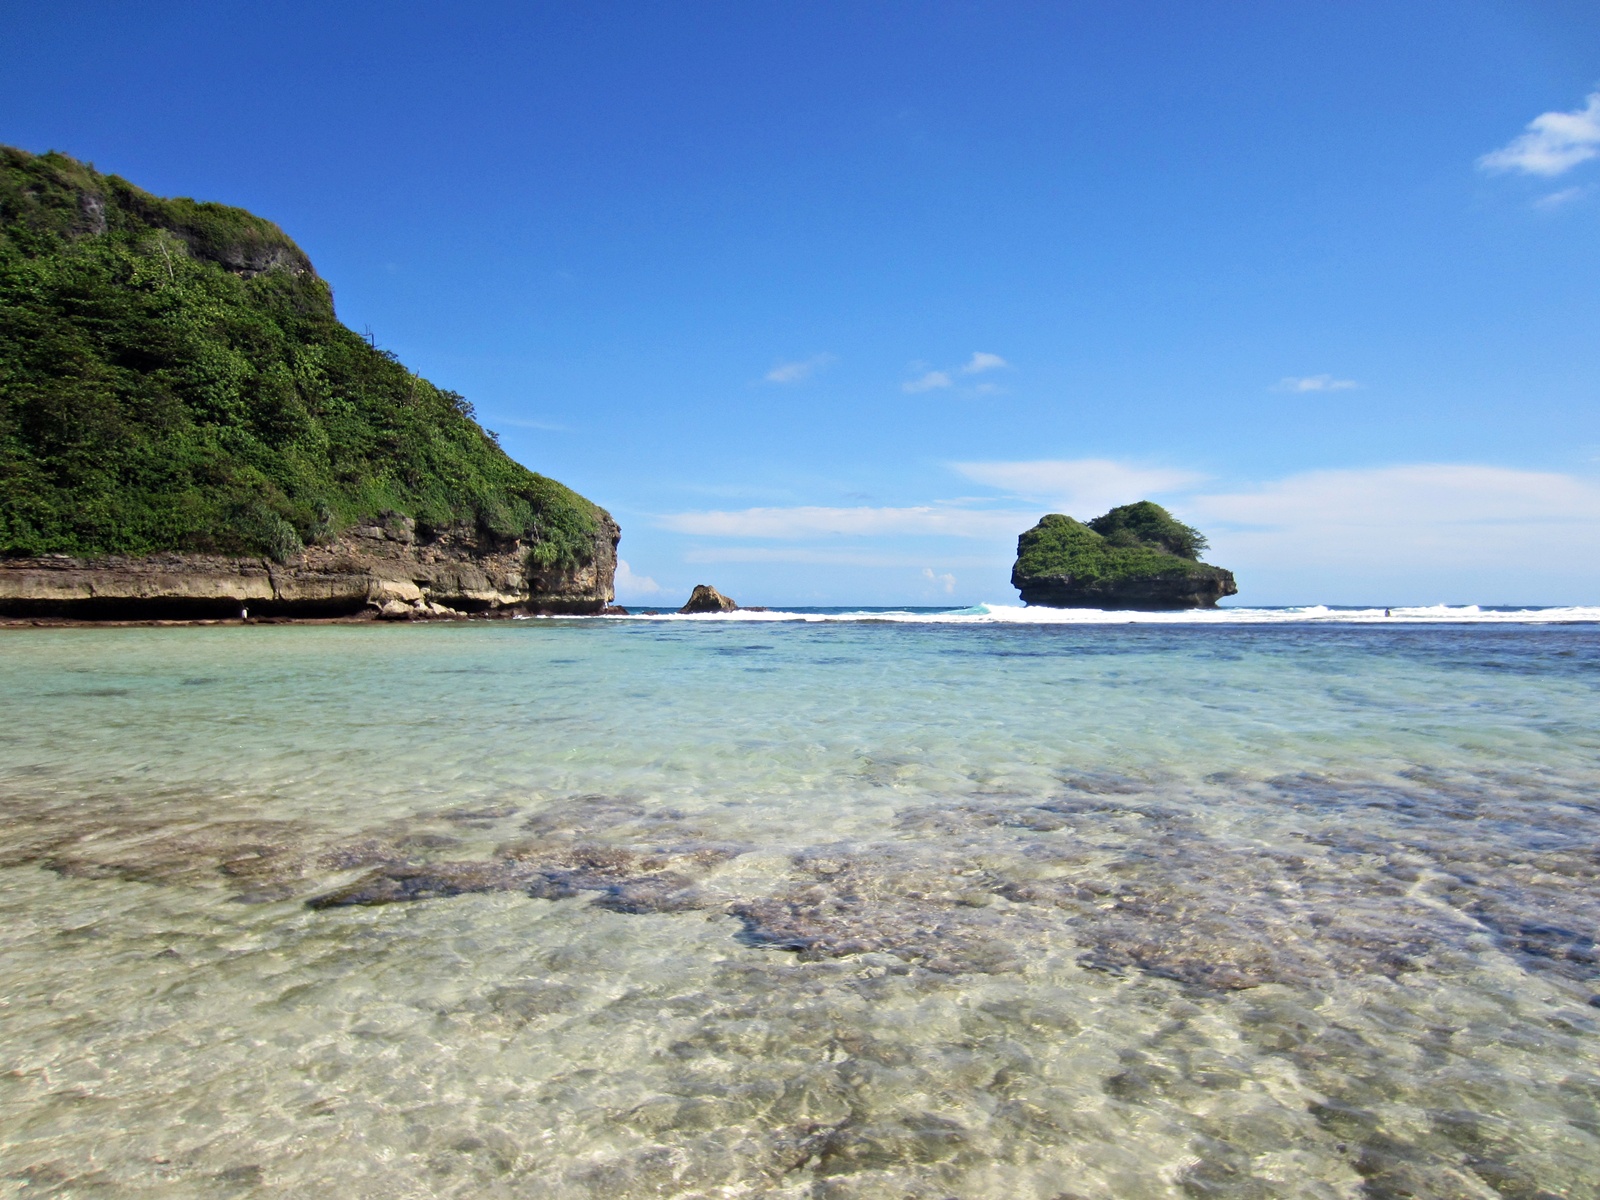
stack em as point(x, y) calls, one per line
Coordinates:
point(831, 908)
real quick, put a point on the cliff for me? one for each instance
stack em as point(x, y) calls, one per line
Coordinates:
point(362, 568)
point(186, 427)
point(1137, 556)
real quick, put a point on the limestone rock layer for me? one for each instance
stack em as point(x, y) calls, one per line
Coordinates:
point(360, 571)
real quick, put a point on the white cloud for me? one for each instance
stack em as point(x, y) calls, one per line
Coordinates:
point(937, 520)
point(1560, 199)
point(1403, 519)
point(545, 426)
point(1415, 533)
point(983, 362)
point(1083, 487)
point(629, 585)
point(1314, 383)
point(802, 369)
point(1435, 493)
point(927, 383)
point(1553, 143)
point(845, 557)
point(947, 582)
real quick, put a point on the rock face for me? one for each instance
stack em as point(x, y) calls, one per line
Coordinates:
point(706, 599)
point(1134, 557)
point(1177, 589)
point(382, 566)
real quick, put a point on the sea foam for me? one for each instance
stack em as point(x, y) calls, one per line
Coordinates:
point(1014, 614)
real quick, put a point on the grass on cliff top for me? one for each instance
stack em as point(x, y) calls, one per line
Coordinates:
point(173, 377)
point(1134, 545)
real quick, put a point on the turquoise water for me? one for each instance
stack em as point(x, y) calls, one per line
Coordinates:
point(918, 906)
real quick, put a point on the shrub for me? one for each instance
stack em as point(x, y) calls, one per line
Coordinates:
point(1061, 546)
point(1147, 524)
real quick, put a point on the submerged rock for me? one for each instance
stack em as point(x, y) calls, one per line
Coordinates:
point(395, 884)
point(666, 892)
point(1136, 556)
point(1120, 873)
point(629, 880)
point(932, 913)
point(706, 599)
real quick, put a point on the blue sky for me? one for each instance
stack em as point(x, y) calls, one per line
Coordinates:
point(828, 301)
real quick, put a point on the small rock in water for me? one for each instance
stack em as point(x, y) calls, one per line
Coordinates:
point(403, 883)
point(667, 892)
point(631, 881)
point(706, 599)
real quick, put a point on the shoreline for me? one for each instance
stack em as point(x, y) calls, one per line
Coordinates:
point(366, 617)
point(983, 615)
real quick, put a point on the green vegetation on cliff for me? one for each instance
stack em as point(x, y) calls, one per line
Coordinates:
point(1134, 540)
point(1150, 526)
point(173, 377)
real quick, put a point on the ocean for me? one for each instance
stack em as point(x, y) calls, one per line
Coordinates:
point(824, 904)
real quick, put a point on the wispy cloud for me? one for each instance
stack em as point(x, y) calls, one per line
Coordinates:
point(1560, 199)
point(545, 426)
point(1083, 487)
point(1403, 517)
point(940, 520)
point(799, 370)
point(629, 585)
point(1314, 383)
point(1428, 530)
point(980, 362)
point(946, 581)
point(927, 382)
point(1553, 143)
point(843, 557)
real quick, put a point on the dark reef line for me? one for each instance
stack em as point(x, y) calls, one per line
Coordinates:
point(1115, 867)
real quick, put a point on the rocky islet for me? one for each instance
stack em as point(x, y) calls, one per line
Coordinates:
point(1137, 556)
point(706, 599)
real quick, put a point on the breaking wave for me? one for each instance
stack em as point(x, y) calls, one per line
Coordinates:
point(1014, 614)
